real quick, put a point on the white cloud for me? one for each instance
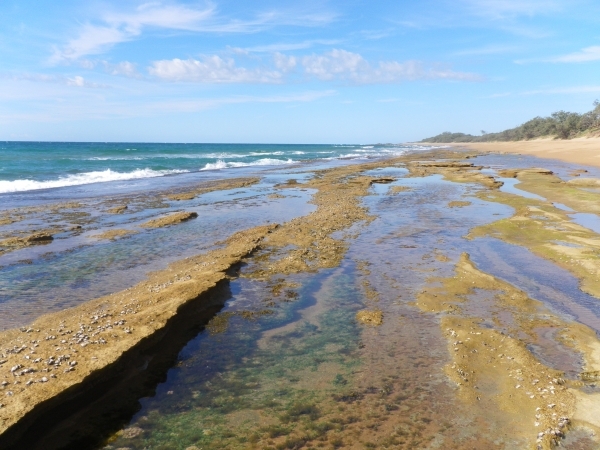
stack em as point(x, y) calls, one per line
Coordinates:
point(58, 102)
point(116, 27)
point(344, 65)
point(488, 50)
point(92, 40)
point(334, 65)
point(285, 47)
point(337, 63)
point(211, 69)
point(202, 104)
point(284, 63)
point(585, 55)
point(175, 17)
point(377, 34)
point(124, 68)
point(75, 81)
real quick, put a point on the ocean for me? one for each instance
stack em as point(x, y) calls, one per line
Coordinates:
point(26, 166)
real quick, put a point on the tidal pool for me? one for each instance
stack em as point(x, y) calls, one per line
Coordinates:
point(296, 370)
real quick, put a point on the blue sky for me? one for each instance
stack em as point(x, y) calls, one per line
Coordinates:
point(288, 71)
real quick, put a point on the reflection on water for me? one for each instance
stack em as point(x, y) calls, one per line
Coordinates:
point(509, 186)
point(307, 376)
point(229, 392)
point(40, 281)
point(587, 220)
point(285, 365)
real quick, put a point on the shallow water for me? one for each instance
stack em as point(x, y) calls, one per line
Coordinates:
point(285, 364)
point(309, 375)
point(587, 220)
point(45, 278)
point(510, 186)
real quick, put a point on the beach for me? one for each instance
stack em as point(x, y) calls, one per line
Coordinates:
point(340, 303)
point(584, 151)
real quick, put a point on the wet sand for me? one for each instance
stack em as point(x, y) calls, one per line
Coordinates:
point(436, 330)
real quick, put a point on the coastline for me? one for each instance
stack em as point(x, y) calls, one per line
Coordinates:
point(320, 240)
point(584, 151)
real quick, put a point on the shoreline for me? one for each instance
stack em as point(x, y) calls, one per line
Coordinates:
point(105, 335)
point(584, 151)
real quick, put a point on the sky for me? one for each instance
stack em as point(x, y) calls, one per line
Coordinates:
point(283, 71)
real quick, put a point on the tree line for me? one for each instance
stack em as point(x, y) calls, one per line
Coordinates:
point(559, 125)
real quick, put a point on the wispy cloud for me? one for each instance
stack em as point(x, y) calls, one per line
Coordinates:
point(115, 28)
point(487, 50)
point(285, 47)
point(589, 89)
point(56, 105)
point(74, 81)
point(337, 64)
point(202, 104)
point(499, 95)
point(584, 55)
point(377, 34)
point(112, 28)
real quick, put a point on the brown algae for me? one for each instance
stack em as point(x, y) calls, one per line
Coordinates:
point(325, 381)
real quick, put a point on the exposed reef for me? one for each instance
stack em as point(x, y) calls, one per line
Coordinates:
point(52, 368)
point(171, 219)
point(235, 183)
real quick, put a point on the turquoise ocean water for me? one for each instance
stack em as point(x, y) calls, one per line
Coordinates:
point(27, 166)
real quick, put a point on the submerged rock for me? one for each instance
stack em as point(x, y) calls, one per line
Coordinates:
point(370, 317)
point(171, 219)
point(118, 209)
point(41, 237)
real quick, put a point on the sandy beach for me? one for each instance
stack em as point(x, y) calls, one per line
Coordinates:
point(434, 280)
point(584, 151)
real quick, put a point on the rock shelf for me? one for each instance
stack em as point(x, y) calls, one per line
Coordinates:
point(63, 360)
point(171, 219)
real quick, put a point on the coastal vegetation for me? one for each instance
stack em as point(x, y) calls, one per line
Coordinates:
point(559, 125)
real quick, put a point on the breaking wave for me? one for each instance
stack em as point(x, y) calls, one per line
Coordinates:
point(83, 178)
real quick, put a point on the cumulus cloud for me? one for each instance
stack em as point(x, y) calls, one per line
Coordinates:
point(337, 64)
point(345, 65)
point(124, 68)
point(334, 64)
point(211, 69)
point(284, 63)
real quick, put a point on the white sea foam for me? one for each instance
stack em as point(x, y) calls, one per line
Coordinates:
point(266, 153)
point(220, 164)
point(82, 178)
